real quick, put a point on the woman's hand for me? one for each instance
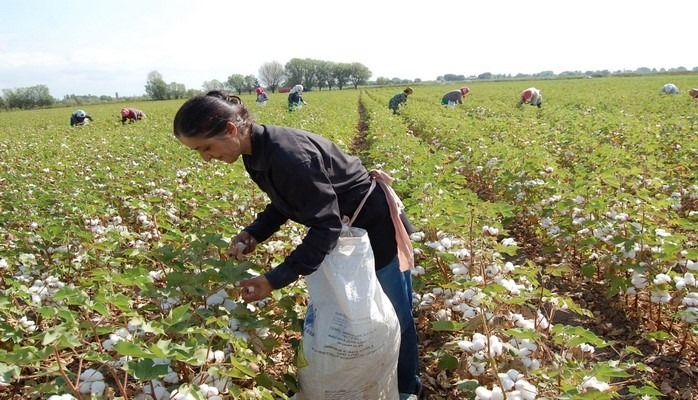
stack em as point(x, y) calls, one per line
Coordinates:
point(243, 243)
point(255, 289)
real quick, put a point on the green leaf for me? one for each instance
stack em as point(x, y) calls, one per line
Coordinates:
point(448, 362)
point(130, 349)
point(450, 326)
point(145, 369)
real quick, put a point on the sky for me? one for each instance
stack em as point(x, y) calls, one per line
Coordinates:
point(104, 47)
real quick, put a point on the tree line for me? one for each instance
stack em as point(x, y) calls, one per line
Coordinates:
point(312, 74)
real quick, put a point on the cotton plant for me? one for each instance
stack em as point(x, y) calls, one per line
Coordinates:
point(121, 334)
point(62, 397)
point(591, 383)
point(92, 382)
point(526, 350)
point(43, 290)
point(513, 387)
point(153, 390)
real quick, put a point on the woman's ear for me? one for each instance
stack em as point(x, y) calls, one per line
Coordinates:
point(231, 128)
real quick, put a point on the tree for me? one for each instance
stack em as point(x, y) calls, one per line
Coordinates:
point(454, 78)
point(177, 90)
point(359, 74)
point(293, 70)
point(341, 73)
point(30, 97)
point(156, 87)
point(250, 83)
point(236, 82)
point(323, 74)
point(271, 75)
point(213, 84)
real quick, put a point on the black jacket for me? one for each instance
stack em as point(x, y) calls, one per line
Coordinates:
point(312, 182)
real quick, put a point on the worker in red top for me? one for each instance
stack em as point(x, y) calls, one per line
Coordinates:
point(131, 115)
point(531, 96)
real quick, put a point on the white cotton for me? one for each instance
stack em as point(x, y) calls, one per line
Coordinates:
point(527, 390)
point(690, 300)
point(692, 265)
point(507, 383)
point(479, 342)
point(98, 388)
point(661, 232)
point(463, 254)
point(587, 348)
point(495, 347)
point(443, 315)
point(690, 315)
point(417, 236)
point(514, 375)
point(476, 369)
point(508, 242)
point(593, 383)
point(85, 387)
point(661, 279)
point(638, 280)
point(660, 296)
point(91, 375)
point(467, 310)
point(482, 393)
point(466, 345)
point(490, 231)
point(446, 243)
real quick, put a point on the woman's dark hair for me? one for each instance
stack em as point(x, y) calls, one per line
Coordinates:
point(207, 115)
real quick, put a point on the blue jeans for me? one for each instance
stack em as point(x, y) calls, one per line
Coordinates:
point(398, 287)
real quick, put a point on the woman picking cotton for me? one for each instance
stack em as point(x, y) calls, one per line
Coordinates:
point(292, 167)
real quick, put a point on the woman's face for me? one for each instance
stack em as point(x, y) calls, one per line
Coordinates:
point(226, 147)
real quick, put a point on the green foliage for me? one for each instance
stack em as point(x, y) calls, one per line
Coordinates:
point(117, 230)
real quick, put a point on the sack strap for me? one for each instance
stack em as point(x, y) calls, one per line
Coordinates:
point(405, 252)
point(363, 201)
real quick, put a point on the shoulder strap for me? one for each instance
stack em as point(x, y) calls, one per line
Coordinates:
point(363, 201)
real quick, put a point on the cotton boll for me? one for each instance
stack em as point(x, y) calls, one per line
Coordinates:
point(514, 375)
point(638, 280)
point(476, 369)
point(418, 270)
point(660, 296)
point(507, 382)
point(446, 243)
point(91, 375)
point(171, 377)
point(587, 348)
point(443, 315)
point(85, 387)
point(417, 236)
point(527, 390)
point(690, 300)
point(690, 315)
point(661, 279)
point(482, 393)
point(468, 312)
point(466, 345)
point(463, 254)
point(495, 346)
point(98, 388)
point(593, 383)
